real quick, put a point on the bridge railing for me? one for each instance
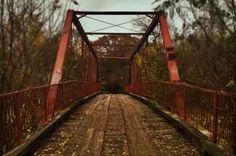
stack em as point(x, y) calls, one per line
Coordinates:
point(211, 111)
point(23, 112)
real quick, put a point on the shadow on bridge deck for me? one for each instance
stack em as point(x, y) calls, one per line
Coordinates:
point(115, 125)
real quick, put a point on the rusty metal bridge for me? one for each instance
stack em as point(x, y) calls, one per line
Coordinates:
point(74, 118)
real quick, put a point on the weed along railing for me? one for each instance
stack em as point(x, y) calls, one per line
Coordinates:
point(23, 112)
point(211, 111)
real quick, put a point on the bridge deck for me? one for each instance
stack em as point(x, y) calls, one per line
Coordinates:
point(115, 125)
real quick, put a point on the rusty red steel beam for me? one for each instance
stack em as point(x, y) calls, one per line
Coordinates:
point(149, 30)
point(115, 12)
point(170, 57)
point(202, 89)
point(172, 66)
point(112, 33)
point(81, 31)
point(169, 50)
point(58, 67)
point(140, 44)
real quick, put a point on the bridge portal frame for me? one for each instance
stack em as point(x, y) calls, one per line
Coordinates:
point(71, 18)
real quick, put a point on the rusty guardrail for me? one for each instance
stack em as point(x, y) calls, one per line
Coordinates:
point(23, 112)
point(211, 111)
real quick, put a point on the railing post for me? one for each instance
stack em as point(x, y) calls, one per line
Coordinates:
point(215, 117)
point(62, 94)
point(130, 71)
point(234, 134)
point(45, 104)
point(180, 100)
point(97, 70)
point(172, 65)
point(18, 119)
point(166, 96)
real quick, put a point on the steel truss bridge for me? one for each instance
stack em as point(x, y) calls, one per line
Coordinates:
point(45, 117)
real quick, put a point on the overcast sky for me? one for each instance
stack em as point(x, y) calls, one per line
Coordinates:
point(128, 5)
point(111, 5)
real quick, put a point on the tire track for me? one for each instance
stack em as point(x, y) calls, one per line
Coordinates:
point(115, 140)
point(139, 140)
point(165, 137)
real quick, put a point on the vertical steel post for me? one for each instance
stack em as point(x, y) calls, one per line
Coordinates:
point(172, 64)
point(97, 70)
point(129, 87)
point(18, 119)
point(180, 100)
point(215, 118)
point(233, 146)
point(169, 50)
point(58, 66)
point(130, 71)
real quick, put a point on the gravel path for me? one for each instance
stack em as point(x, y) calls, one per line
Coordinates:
point(115, 125)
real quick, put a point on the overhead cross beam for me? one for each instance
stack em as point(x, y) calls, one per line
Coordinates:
point(111, 33)
point(149, 30)
point(80, 29)
point(115, 12)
